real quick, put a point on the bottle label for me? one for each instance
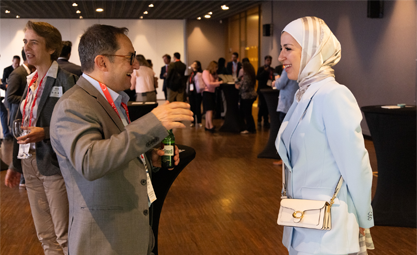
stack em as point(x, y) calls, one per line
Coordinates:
point(169, 150)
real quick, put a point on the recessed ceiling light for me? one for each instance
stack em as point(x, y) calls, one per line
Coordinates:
point(99, 10)
point(151, 5)
point(7, 11)
point(207, 16)
point(81, 17)
point(225, 7)
point(141, 17)
point(17, 17)
point(78, 11)
point(74, 4)
point(199, 18)
point(145, 12)
point(210, 13)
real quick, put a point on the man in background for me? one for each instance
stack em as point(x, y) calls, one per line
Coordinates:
point(164, 73)
point(176, 80)
point(63, 60)
point(233, 67)
point(265, 76)
point(4, 105)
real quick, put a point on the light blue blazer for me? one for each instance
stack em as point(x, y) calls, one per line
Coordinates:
point(319, 140)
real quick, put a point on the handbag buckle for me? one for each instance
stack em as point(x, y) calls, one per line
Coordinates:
point(298, 216)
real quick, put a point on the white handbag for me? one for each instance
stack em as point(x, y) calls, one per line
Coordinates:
point(305, 213)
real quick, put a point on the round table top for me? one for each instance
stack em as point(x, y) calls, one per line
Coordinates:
point(407, 110)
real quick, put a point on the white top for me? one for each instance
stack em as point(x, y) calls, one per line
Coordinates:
point(142, 80)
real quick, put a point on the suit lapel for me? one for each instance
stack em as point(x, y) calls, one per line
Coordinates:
point(50, 81)
point(90, 89)
point(291, 121)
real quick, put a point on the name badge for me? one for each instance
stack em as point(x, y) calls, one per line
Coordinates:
point(191, 87)
point(56, 92)
point(269, 83)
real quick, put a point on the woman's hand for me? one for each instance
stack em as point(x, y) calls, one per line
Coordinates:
point(237, 85)
point(12, 178)
point(157, 154)
point(36, 134)
point(362, 231)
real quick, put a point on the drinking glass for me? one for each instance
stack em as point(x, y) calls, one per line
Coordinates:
point(18, 131)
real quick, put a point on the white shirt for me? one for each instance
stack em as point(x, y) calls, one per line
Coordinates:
point(118, 98)
point(142, 80)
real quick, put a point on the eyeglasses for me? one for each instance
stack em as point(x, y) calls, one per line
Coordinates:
point(132, 56)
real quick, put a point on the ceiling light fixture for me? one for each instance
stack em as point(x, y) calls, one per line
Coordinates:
point(151, 5)
point(78, 11)
point(74, 4)
point(7, 11)
point(145, 12)
point(225, 7)
point(81, 17)
point(99, 10)
point(17, 17)
point(210, 13)
point(141, 17)
point(207, 16)
point(199, 18)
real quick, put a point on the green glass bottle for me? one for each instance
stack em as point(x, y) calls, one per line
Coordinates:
point(168, 145)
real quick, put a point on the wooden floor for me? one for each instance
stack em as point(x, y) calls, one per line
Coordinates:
point(226, 201)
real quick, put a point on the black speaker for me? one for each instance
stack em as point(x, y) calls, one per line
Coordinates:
point(375, 9)
point(267, 29)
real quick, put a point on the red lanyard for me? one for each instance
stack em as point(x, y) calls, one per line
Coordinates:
point(111, 102)
point(191, 77)
point(34, 101)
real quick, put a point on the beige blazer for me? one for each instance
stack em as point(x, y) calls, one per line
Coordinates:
point(105, 179)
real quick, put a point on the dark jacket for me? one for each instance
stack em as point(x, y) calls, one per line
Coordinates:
point(263, 76)
point(45, 156)
point(161, 76)
point(176, 67)
point(70, 67)
point(230, 68)
point(6, 72)
point(15, 89)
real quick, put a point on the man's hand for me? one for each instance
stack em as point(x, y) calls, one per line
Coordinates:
point(12, 178)
point(157, 154)
point(36, 134)
point(362, 231)
point(170, 114)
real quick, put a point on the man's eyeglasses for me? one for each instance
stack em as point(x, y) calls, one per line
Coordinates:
point(132, 56)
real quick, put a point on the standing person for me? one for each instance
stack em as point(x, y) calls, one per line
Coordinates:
point(3, 106)
point(164, 73)
point(176, 81)
point(287, 89)
point(264, 76)
point(142, 81)
point(320, 140)
point(220, 99)
point(63, 60)
point(44, 183)
point(234, 66)
point(104, 157)
point(246, 87)
point(212, 81)
point(194, 95)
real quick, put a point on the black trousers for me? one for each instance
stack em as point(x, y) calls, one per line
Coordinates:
point(195, 103)
point(263, 109)
point(246, 113)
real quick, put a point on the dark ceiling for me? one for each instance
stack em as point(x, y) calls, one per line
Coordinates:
point(122, 9)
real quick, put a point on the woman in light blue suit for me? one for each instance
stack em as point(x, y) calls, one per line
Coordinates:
point(320, 140)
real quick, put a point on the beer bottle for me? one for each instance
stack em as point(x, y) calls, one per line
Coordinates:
point(168, 145)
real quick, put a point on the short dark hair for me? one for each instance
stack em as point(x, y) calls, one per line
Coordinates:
point(167, 56)
point(51, 35)
point(98, 40)
point(245, 60)
point(177, 55)
point(236, 54)
point(66, 48)
point(16, 56)
point(23, 55)
point(268, 56)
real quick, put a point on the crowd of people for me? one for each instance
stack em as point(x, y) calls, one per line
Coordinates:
point(89, 176)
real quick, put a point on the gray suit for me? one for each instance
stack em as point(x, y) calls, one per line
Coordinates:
point(45, 156)
point(69, 67)
point(105, 179)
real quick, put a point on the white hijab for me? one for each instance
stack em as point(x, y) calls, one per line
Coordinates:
point(320, 51)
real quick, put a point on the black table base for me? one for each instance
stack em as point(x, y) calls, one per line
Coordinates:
point(393, 132)
point(233, 121)
point(271, 98)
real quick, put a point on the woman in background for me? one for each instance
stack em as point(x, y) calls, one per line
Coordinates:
point(320, 140)
point(212, 81)
point(246, 87)
point(195, 96)
point(143, 81)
